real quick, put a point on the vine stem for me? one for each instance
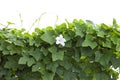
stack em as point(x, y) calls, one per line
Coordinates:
point(37, 20)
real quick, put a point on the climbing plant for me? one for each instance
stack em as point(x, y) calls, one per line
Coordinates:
point(78, 50)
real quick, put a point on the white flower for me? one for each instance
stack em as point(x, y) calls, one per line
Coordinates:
point(60, 40)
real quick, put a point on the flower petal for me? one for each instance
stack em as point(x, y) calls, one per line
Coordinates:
point(60, 36)
point(57, 38)
point(64, 40)
point(57, 42)
point(60, 40)
point(63, 44)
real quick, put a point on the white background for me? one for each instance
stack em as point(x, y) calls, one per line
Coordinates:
point(98, 11)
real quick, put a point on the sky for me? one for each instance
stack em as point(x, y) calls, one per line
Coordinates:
point(98, 11)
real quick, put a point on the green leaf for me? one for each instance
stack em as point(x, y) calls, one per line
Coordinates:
point(103, 59)
point(97, 76)
point(30, 62)
point(9, 23)
point(40, 67)
point(67, 65)
point(36, 67)
point(68, 44)
point(69, 34)
point(83, 76)
point(38, 41)
point(19, 43)
point(52, 67)
point(60, 72)
point(79, 42)
point(26, 60)
point(91, 25)
point(2, 72)
point(48, 36)
point(23, 60)
point(56, 54)
point(80, 29)
point(69, 76)
point(31, 41)
point(77, 55)
point(115, 25)
point(3, 45)
point(44, 51)
point(37, 54)
point(107, 43)
point(116, 62)
point(87, 51)
point(90, 29)
point(89, 41)
point(5, 52)
point(98, 55)
point(114, 39)
point(12, 49)
point(48, 76)
point(118, 45)
point(12, 62)
point(47, 60)
point(101, 33)
point(67, 37)
point(60, 28)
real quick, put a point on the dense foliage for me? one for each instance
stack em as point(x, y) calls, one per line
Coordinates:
point(88, 52)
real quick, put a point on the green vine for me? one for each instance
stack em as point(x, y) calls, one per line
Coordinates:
point(77, 51)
